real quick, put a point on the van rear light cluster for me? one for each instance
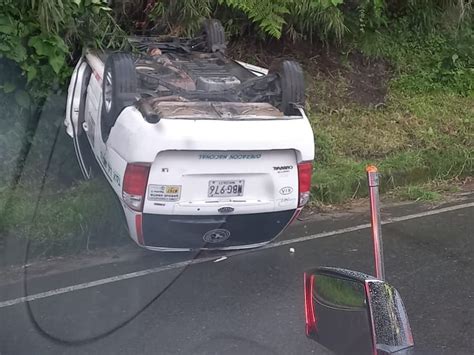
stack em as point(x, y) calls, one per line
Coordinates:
point(134, 185)
point(305, 171)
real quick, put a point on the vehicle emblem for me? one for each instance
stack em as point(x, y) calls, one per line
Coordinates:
point(216, 236)
point(226, 209)
point(286, 190)
point(283, 168)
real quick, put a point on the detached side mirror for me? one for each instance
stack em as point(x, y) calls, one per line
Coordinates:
point(350, 312)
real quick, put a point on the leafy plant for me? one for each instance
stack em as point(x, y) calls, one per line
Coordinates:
point(179, 17)
point(426, 14)
point(324, 19)
point(425, 60)
point(41, 36)
point(312, 19)
point(268, 15)
point(327, 20)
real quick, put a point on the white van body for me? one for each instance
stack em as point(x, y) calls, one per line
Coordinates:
point(221, 175)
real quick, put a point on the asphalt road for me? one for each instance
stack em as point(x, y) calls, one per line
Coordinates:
point(251, 302)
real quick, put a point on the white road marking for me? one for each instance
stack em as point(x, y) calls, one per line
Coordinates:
point(367, 225)
point(181, 264)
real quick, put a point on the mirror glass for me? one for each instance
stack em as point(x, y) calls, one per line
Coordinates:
point(341, 314)
point(392, 329)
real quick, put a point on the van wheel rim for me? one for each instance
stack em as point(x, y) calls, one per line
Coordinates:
point(108, 92)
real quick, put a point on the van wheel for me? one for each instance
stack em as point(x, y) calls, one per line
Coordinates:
point(214, 35)
point(119, 89)
point(292, 86)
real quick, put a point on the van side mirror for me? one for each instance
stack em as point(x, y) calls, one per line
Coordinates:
point(349, 312)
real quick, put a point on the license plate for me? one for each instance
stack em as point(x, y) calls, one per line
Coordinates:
point(225, 188)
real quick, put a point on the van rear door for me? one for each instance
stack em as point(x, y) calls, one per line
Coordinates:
point(208, 182)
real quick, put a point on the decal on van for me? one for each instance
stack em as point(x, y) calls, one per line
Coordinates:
point(286, 190)
point(233, 156)
point(283, 168)
point(169, 193)
point(110, 173)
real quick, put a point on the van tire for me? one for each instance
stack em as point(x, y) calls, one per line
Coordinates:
point(292, 86)
point(214, 34)
point(119, 89)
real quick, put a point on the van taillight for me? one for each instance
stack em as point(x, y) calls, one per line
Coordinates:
point(134, 185)
point(305, 170)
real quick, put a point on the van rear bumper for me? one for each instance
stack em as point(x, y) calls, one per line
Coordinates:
point(213, 232)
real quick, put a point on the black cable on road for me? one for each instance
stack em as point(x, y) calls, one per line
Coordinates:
point(30, 312)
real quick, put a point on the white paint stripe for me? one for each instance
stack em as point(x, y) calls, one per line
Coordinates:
point(100, 282)
point(367, 225)
point(136, 274)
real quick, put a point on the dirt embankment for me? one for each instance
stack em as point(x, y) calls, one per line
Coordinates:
point(365, 79)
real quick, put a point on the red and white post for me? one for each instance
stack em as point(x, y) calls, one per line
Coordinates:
point(373, 180)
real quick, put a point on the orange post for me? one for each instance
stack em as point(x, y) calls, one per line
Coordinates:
point(373, 181)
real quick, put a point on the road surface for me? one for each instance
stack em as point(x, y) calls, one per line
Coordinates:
point(251, 302)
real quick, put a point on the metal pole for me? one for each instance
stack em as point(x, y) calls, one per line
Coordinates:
point(373, 180)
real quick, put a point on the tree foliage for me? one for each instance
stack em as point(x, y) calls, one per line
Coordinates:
point(39, 37)
point(431, 41)
point(328, 20)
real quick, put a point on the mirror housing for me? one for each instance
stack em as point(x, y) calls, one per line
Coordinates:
point(349, 312)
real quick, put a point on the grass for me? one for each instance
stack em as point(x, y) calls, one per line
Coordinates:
point(417, 193)
point(400, 99)
point(413, 139)
point(72, 215)
point(421, 131)
point(430, 191)
point(68, 220)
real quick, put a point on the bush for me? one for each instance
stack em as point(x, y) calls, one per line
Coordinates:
point(310, 19)
point(324, 19)
point(426, 60)
point(84, 216)
point(40, 37)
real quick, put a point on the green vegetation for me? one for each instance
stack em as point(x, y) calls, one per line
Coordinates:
point(67, 220)
point(39, 41)
point(49, 205)
point(304, 19)
point(417, 193)
point(422, 130)
point(430, 191)
point(438, 59)
point(39, 37)
point(412, 140)
point(398, 101)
